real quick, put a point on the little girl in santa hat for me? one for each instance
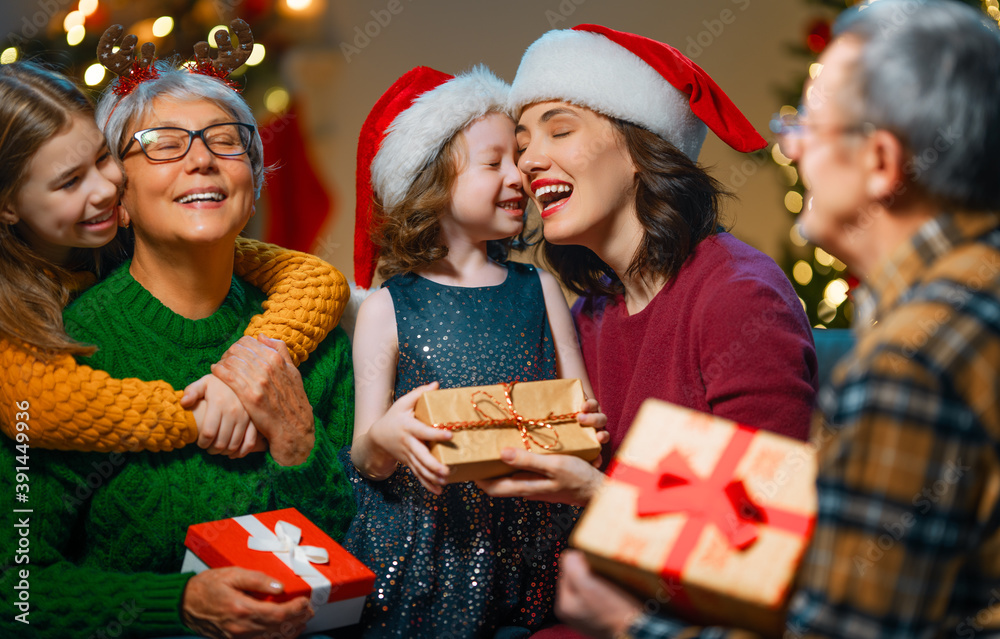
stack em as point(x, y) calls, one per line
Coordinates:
point(440, 202)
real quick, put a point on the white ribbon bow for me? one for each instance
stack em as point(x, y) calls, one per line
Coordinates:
point(287, 543)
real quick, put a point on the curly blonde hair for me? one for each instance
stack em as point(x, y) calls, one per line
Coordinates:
point(408, 235)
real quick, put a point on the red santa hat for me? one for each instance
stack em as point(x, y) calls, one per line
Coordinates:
point(404, 132)
point(632, 78)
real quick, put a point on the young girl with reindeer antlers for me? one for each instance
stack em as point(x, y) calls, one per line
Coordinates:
point(58, 190)
point(438, 181)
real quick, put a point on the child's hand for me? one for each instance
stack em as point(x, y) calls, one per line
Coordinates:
point(224, 427)
point(402, 436)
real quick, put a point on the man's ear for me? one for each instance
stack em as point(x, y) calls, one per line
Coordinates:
point(886, 164)
point(7, 216)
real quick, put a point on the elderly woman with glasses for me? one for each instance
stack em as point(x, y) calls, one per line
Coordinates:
point(107, 533)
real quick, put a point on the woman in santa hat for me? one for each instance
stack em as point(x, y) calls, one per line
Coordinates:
point(671, 306)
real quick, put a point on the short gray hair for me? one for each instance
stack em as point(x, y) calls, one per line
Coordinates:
point(929, 72)
point(117, 117)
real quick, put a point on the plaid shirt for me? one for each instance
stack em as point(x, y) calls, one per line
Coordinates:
point(907, 540)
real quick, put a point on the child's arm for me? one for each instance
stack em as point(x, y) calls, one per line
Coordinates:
point(74, 407)
point(305, 295)
point(385, 432)
point(569, 357)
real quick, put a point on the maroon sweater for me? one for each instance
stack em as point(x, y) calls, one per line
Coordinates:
point(726, 336)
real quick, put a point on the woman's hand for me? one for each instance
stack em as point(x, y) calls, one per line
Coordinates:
point(402, 436)
point(224, 426)
point(225, 603)
point(262, 374)
point(590, 415)
point(561, 479)
point(590, 604)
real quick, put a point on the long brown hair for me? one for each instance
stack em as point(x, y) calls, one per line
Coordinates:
point(409, 234)
point(677, 203)
point(35, 105)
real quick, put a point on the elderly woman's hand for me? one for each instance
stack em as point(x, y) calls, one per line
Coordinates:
point(556, 478)
point(590, 604)
point(221, 603)
point(262, 374)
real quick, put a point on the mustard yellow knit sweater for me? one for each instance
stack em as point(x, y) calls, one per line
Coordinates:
point(74, 407)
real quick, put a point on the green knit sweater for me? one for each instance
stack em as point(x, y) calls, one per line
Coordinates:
point(105, 537)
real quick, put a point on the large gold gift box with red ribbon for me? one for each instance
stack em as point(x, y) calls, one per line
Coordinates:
point(703, 517)
point(538, 416)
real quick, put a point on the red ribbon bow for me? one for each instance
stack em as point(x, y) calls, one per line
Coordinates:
point(717, 499)
point(674, 487)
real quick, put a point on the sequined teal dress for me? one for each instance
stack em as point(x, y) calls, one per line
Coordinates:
point(461, 564)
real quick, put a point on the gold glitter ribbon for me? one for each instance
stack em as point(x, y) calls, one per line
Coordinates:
point(511, 418)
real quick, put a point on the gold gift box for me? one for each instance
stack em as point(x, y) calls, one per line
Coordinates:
point(474, 452)
point(676, 556)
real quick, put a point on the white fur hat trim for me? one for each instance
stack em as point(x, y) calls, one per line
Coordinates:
point(416, 135)
point(590, 70)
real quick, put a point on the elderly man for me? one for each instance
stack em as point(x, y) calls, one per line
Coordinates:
point(899, 145)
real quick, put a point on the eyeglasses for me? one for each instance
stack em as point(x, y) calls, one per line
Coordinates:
point(165, 143)
point(792, 129)
point(797, 125)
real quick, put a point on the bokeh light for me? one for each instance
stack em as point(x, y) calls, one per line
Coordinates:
point(88, 7)
point(779, 157)
point(163, 26)
point(802, 272)
point(825, 311)
point(823, 257)
point(276, 99)
point(94, 74)
point(793, 201)
point(791, 175)
point(835, 292)
point(9, 55)
point(257, 55)
point(76, 35)
point(73, 19)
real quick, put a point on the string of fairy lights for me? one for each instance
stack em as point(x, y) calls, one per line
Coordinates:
point(83, 21)
point(822, 282)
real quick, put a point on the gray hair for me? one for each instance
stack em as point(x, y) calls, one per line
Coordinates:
point(929, 72)
point(118, 117)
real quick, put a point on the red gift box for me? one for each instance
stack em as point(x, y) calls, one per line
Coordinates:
point(705, 515)
point(285, 545)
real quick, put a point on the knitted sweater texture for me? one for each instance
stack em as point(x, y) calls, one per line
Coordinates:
point(725, 336)
point(75, 407)
point(106, 531)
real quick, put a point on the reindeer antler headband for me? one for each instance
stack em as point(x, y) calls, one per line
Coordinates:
point(132, 72)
